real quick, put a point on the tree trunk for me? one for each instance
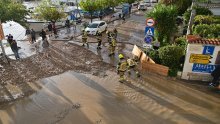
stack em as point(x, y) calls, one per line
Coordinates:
point(3, 51)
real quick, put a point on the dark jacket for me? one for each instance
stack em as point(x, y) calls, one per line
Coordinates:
point(13, 45)
point(50, 27)
point(33, 33)
point(216, 72)
point(43, 34)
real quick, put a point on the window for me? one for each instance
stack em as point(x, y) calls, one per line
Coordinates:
point(101, 24)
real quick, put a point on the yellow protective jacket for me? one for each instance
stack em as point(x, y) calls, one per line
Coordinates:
point(131, 62)
point(122, 65)
point(84, 35)
point(113, 43)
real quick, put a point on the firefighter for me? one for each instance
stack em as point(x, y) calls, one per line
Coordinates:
point(112, 46)
point(132, 66)
point(99, 40)
point(115, 33)
point(84, 38)
point(121, 67)
point(109, 35)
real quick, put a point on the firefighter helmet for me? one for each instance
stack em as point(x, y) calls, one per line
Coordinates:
point(120, 56)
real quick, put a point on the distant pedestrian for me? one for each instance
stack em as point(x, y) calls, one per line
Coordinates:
point(215, 74)
point(54, 29)
point(28, 34)
point(33, 36)
point(123, 17)
point(43, 34)
point(13, 45)
point(67, 24)
point(50, 28)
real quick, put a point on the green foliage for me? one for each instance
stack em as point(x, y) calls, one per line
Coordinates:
point(216, 19)
point(182, 5)
point(181, 41)
point(48, 12)
point(207, 31)
point(92, 5)
point(165, 17)
point(199, 11)
point(129, 1)
point(12, 11)
point(187, 15)
point(170, 56)
point(154, 54)
point(203, 19)
point(202, 10)
point(173, 72)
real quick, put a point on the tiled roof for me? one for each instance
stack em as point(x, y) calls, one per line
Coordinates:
point(199, 40)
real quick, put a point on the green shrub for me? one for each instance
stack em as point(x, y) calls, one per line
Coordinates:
point(207, 31)
point(216, 19)
point(154, 54)
point(207, 19)
point(170, 55)
point(181, 41)
point(173, 72)
point(186, 15)
point(203, 19)
point(199, 11)
point(202, 11)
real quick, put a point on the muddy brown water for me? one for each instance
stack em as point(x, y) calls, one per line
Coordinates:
point(76, 98)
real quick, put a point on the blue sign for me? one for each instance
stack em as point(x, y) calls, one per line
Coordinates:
point(208, 50)
point(149, 31)
point(203, 68)
point(148, 39)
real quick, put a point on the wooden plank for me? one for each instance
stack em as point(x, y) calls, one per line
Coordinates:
point(136, 51)
point(145, 58)
point(155, 68)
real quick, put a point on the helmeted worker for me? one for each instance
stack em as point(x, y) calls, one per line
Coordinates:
point(99, 40)
point(115, 33)
point(132, 65)
point(109, 36)
point(122, 67)
point(84, 38)
point(112, 46)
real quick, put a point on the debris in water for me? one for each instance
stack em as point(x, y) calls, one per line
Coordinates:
point(88, 62)
point(76, 106)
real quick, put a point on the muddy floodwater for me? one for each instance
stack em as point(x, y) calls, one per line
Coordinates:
point(76, 98)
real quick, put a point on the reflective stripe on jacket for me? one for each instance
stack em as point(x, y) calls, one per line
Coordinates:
point(131, 62)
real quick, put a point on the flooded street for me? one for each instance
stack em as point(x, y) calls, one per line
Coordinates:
point(86, 99)
point(67, 83)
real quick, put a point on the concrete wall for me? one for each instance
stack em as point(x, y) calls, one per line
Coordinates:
point(193, 71)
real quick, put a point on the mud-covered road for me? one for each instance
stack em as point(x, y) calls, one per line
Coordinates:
point(58, 58)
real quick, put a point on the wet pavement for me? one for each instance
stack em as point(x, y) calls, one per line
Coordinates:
point(92, 94)
point(86, 99)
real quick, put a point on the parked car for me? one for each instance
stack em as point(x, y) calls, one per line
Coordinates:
point(95, 27)
point(116, 16)
point(143, 6)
